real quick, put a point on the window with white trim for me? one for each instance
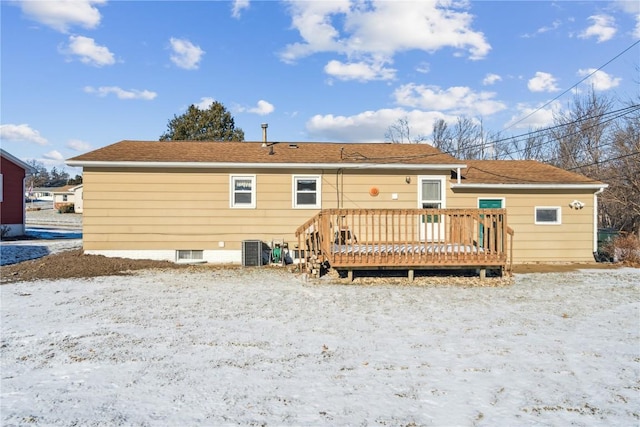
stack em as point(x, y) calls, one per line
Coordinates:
point(243, 191)
point(1, 188)
point(307, 191)
point(548, 215)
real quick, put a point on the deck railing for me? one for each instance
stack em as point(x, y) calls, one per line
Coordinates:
point(407, 238)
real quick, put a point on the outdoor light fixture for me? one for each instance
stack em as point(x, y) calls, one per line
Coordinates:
point(577, 204)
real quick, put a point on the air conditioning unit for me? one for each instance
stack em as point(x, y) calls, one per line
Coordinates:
point(251, 253)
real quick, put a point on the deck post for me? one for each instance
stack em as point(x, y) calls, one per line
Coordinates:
point(411, 275)
point(350, 275)
point(483, 273)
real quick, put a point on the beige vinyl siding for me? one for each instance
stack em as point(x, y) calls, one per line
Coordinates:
point(570, 241)
point(151, 209)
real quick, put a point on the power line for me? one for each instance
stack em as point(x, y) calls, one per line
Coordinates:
point(574, 86)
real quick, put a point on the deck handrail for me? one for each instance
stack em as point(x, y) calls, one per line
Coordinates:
point(358, 238)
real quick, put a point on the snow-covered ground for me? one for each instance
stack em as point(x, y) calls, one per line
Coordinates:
point(43, 241)
point(49, 232)
point(259, 346)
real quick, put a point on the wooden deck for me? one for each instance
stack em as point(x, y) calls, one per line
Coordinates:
point(348, 239)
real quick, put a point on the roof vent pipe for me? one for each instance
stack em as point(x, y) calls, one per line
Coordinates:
point(264, 134)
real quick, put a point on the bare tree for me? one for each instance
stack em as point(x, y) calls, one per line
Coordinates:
point(441, 137)
point(620, 203)
point(581, 134)
point(400, 133)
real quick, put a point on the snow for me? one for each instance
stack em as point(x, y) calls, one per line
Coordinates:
point(42, 241)
point(259, 346)
point(48, 232)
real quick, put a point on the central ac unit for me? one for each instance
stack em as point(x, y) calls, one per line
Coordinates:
point(251, 253)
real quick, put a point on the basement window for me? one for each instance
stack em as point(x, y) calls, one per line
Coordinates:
point(548, 215)
point(189, 255)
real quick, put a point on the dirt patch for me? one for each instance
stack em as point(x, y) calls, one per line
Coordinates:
point(75, 264)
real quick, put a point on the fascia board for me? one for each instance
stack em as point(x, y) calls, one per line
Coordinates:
point(531, 186)
point(219, 165)
point(30, 170)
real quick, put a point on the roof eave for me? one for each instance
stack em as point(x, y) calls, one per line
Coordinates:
point(532, 186)
point(219, 165)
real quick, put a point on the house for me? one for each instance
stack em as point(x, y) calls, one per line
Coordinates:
point(13, 172)
point(206, 200)
point(78, 199)
point(68, 195)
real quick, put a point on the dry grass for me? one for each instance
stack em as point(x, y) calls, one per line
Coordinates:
point(626, 249)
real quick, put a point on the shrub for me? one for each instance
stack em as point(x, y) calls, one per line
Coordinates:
point(66, 209)
point(625, 249)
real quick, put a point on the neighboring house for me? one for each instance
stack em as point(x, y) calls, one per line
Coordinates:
point(78, 198)
point(40, 194)
point(177, 200)
point(68, 195)
point(13, 172)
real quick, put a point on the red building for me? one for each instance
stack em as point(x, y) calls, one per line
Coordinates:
point(12, 194)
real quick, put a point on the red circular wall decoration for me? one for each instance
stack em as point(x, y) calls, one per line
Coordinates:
point(374, 191)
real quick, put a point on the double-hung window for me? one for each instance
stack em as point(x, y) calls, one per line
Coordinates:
point(307, 191)
point(243, 191)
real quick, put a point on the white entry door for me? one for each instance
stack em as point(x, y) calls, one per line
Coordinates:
point(431, 195)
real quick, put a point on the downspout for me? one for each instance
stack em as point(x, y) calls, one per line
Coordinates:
point(595, 219)
point(339, 192)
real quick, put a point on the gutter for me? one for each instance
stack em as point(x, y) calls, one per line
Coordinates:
point(599, 186)
point(227, 165)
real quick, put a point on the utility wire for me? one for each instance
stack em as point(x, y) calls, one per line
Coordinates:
point(514, 139)
point(574, 86)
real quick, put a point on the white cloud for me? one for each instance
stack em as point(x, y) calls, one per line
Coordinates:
point(371, 32)
point(238, 6)
point(54, 155)
point(262, 108)
point(88, 51)
point(423, 67)
point(185, 54)
point(603, 28)
point(370, 126)
point(121, 93)
point(458, 99)
point(362, 71)
point(632, 8)
point(62, 14)
point(77, 145)
point(554, 26)
point(21, 132)
point(542, 82)
point(205, 103)
point(491, 79)
point(532, 117)
point(600, 80)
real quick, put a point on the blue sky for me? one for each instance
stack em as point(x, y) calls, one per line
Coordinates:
point(77, 75)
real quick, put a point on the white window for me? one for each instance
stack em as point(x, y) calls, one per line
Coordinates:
point(243, 191)
point(548, 215)
point(189, 255)
point(307, 192)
